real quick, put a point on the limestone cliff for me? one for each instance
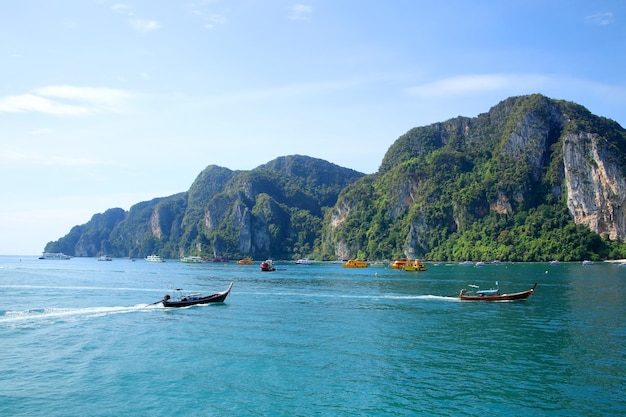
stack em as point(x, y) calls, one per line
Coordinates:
point(436, 182)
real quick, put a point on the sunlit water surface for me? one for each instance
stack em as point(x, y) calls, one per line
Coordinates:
point(81, 338)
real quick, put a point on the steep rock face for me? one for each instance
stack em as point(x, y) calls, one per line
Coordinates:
point(525, 151)
point(596, 188)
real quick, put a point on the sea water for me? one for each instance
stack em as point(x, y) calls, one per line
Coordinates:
point(81, 337)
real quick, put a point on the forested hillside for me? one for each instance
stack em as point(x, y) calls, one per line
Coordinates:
point(274, 210)
point(533, 179)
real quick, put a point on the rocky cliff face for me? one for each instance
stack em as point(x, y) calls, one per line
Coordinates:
point(464, 175)
point(524, 151)
point(595, 184)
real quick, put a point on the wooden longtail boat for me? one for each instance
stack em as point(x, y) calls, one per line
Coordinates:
point(193, 299)
point(494, 295)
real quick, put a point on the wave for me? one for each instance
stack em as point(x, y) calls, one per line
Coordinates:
point(48, 315)
point(356, 297)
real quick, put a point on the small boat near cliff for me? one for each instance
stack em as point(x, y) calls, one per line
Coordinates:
point(186, 300)
point(356, 263)
point(268, 266)
point(153, 258)
point(245, 261)
point(192, 259)
point(55, 256)
point(495, 295)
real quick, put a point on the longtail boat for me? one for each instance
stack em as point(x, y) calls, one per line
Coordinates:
point(185, 300)
point(495, 295)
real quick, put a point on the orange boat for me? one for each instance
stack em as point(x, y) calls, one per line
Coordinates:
point(355, 263)
point(408, 265)
point(245, 261)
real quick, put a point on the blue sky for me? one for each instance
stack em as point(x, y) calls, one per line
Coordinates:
point(108, 103)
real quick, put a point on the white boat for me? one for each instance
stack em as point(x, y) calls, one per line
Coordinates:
point(192, 259)
point(54, 256)
point(105, 258)
point(303, 261)
point(154, 258)
point(587, 263)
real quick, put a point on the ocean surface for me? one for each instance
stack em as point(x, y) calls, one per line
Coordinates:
point(81, 338)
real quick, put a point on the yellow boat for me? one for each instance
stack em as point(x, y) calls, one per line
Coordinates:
point(408, 265)
point(355, 263)
point(245, 261)
point(400, 263)
point(417, 266)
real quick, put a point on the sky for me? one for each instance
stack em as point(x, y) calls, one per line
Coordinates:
point(106, 104)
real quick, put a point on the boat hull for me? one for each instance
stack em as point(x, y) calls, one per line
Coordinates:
point(518, 296)
point(186, 302)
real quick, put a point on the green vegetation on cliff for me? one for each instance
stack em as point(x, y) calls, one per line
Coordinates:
point(491, 187)
point(533, 179)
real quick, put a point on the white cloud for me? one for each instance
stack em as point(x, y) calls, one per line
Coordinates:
point(47, 160)
point(40, 131)
point(66, 100)
point(600, 19)
point(472, 84)
point(300, 11)
point(30, 102)
point(121, 8)
point(514, 84)
point(144, 25)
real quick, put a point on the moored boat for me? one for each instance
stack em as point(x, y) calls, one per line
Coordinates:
point(356, 263)
point(303, 261)
point(399, 263)
point(192, 259)
point(268, 265)
point(245, 261)
point(153, 258)
point(495, 295)
point(105, 258)
point(185, 300)
point(55, 256)
point(415, 266)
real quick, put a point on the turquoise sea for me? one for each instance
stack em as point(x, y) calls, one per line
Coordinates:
point(80, 338)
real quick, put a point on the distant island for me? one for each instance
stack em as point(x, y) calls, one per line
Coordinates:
point(533, 179)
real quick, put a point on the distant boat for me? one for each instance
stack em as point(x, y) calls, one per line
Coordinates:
point(400, 263)
point(245, 261)
point(267, 266)
point(105, 258)
point(554, 262)
point(355, 263)
point(303, 261)
point(587, 263)
point(154, 258)
point(466, 263)
point(192, 259)
point(54, 256)
point(186, 300)
point(415, 266)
